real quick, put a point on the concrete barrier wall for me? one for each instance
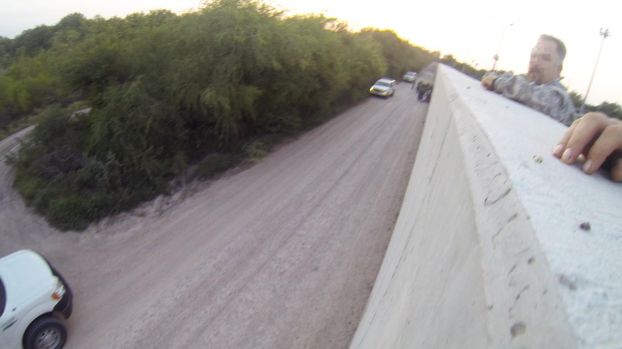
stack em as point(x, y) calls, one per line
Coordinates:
point(488, 251)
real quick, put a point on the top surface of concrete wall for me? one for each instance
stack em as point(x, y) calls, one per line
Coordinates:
point(559, 199)
point(488, 250)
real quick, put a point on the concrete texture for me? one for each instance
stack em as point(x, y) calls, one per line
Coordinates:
point(487, 251)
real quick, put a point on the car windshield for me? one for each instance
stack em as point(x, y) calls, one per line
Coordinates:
point(2, 298)
point(383, 83)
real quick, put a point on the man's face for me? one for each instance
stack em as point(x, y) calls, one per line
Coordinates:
point(545, 64)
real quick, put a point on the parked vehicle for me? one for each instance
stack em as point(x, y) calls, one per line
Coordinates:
point(384, 87)
point(410, 76)
point(35, 301)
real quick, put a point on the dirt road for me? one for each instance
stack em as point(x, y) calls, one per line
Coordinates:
point(280, 255)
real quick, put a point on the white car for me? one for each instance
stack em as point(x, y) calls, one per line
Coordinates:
point(383, 87)
point(409, 76)
point(35, 301)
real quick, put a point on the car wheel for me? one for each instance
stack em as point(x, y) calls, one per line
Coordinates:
point(45, 333)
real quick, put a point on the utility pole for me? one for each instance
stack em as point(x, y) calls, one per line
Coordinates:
point(605, 34)
point(496, 56)
point(495, 59)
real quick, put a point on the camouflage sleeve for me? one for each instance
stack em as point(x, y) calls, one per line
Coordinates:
point(550, 99)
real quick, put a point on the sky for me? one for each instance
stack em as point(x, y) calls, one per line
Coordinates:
point(472, 31)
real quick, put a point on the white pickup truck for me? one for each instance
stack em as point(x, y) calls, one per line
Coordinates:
point(35, 301)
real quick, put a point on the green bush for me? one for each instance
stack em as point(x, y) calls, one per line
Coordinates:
point(167, 91)
point(71, 212)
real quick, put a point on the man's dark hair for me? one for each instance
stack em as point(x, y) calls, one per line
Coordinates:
point(561, 48)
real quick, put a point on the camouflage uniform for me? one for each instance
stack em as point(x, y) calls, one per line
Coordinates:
point(550, 98)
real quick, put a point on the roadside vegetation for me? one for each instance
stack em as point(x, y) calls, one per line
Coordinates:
point(202, 90)
point(178, 95)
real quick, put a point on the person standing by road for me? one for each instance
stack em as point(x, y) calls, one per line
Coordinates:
point(540, 88)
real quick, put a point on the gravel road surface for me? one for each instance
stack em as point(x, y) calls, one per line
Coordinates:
point(282, 254)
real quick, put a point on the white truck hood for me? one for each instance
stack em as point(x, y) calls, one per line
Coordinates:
point(25, 274)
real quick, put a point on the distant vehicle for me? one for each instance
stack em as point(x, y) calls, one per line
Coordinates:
point(35, 301)
point(410, 76)
point(384, 87)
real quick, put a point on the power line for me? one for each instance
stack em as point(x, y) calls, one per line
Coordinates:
point(495, 58)
point(605, 34)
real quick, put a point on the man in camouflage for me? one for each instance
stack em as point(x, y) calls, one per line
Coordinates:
point(540, 89)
